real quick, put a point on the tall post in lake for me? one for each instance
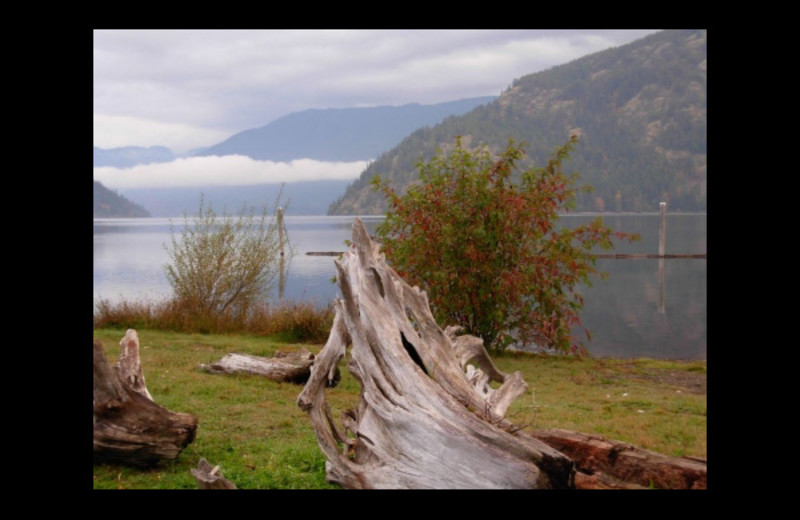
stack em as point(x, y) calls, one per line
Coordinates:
point(661, 251)
point(662, 229)
point(282, 275)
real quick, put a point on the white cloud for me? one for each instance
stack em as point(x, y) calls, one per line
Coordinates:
point(228, 170)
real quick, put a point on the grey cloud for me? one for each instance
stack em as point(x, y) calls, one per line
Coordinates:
point(234, 80)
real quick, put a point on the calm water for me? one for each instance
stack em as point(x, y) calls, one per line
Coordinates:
point(637, 311)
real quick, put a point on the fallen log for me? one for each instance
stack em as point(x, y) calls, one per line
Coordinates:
point(426, 417)
point(129, 427)
point(284, 367)
point(209, 477)
point(609, 464)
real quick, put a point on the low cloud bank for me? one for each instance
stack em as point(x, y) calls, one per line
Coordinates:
point(228, 170)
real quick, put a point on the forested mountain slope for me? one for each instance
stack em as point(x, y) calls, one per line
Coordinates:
point(639, 110)
point(109, 204)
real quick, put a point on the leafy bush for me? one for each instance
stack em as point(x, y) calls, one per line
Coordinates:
point(222, 265)
point(488, 251)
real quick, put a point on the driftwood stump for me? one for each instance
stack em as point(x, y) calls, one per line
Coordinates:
point(283, 367)
point(426, 419)
point(129, 427)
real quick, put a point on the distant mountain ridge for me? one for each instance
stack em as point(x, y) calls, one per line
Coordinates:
point(128, 156)
point(347, 134)
point(338, 134)
point(640, 111)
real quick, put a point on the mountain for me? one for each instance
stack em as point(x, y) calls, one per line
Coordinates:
point(109, 204)
point(639, 109)
point(348, 134)
point(342, 134)
point(128, 156)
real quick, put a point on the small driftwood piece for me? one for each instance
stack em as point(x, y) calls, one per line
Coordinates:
point(284, 367)
point(209, 477)
point(129, 427)
point(425, 419)
point(608, 464)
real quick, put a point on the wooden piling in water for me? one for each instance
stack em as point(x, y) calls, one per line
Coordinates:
point(662, 232)
point(662, 239)
point(280, 229)
point(282, 274)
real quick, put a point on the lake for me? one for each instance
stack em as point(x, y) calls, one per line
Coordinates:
point(645, 308)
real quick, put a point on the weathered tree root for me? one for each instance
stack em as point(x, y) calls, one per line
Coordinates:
point(129, 427)
point(425, 419)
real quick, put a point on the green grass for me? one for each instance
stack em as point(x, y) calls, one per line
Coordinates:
point(649, 403)
point(253, 429)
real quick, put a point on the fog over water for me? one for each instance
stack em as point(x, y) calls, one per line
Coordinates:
point(228, 170)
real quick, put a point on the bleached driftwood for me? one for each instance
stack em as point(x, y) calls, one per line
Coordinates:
point(290, 367)
point(129, 365)
point(209, 477)
point(129, 427)
point(425, 419)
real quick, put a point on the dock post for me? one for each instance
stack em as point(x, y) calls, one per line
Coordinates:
point(661, 252)
point(280, 228)
point(662, 230)
point(282, 280)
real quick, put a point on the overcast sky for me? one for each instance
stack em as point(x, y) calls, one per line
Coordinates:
point(190, 88)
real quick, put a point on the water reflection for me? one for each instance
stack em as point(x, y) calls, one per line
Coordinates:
point(646, 307)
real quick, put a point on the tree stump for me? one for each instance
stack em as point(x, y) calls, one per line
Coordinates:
point(426, 419)
point(129, 427)
point(284, 367)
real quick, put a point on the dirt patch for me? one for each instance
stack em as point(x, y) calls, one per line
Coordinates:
point(693, 382)
point(686, 380)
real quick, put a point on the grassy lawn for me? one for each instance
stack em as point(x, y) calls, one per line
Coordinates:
point(253, 429)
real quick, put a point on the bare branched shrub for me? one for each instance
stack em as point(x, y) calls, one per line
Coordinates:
point(223, 265)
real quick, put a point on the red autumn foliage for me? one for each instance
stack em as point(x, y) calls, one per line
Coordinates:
point(488, 249)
